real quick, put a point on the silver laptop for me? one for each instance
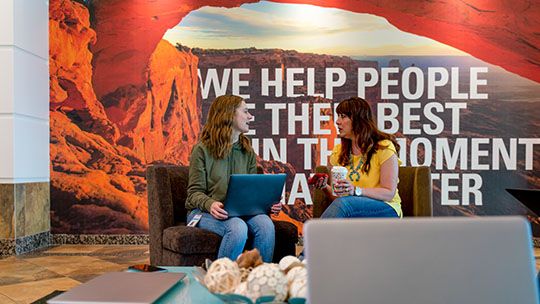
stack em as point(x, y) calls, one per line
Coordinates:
point(481, 260)
point(121, 287)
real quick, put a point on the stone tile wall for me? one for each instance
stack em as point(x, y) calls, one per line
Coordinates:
point(24, 217)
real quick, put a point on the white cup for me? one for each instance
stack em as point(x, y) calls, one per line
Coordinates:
point(338, 173)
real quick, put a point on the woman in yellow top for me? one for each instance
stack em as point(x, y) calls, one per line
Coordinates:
point(370, 156)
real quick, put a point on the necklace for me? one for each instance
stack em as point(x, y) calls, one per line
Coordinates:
point(354, 173)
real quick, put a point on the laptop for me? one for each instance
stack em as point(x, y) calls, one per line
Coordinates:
point(528, 197)
point(121, 288)
point(481, 260)
point(252, 194)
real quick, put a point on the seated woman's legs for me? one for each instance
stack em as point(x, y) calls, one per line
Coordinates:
point(261, 229)
point(234, 233)
point(358, 206)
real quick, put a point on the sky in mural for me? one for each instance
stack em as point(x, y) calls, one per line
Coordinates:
point(300, 27)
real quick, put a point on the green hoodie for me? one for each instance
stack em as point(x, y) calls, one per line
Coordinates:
point(209, 177)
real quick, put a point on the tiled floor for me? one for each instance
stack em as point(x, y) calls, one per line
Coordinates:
point(26, 278)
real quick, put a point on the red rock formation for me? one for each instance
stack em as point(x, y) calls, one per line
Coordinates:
point(499, 32)
point(129, 32)
point(88, 171)
point(98, 153)
point(160, 121)
point(70, 68)
point(91, 182)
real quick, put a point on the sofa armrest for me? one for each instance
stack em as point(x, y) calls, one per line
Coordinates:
point(320, 200)
point(422, 198)
point(160, 209)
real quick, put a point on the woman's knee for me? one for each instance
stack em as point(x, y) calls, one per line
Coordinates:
point(237, 228)
point(342, 203)
point(263, 222)
point(345, 206)
point(337, 209)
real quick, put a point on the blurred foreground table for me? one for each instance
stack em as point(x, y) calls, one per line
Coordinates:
point(188, 290)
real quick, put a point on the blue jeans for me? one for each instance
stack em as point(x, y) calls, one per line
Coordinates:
point(358, 206)
point(235, 232)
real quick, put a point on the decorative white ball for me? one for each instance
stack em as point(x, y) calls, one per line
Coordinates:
point(241, 289)
point(296, 273)
point(287, 261)
point(298, 288)
point(267, 280)
point(223, 276)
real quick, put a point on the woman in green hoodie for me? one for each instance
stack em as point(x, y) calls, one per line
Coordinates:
point(223, 150)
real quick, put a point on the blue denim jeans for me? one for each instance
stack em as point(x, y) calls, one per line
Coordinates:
point(358, 206)
point(235, 232)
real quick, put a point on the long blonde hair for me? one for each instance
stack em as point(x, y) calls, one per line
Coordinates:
point(217, 132)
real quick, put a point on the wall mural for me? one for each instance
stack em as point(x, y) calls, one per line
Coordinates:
point(131, 83)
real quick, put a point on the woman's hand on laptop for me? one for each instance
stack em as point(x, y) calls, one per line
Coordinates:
point(276, 208)
point(217, 211)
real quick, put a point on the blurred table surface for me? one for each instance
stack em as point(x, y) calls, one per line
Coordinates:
point(188, 290)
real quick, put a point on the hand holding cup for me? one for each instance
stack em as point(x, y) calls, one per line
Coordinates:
point(343, 187)
point(338, 174)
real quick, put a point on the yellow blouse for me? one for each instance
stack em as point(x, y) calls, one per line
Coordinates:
point(361, 179)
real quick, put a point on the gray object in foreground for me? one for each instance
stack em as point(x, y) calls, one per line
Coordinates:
point(120, 287)
point(481, 260)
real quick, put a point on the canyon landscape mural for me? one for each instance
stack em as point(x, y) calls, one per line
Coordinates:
point(123, 97)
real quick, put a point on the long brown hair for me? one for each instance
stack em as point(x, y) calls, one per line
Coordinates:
point(217, 132)
point(364, 128)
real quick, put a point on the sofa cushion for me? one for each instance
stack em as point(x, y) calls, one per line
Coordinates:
point(286, 231)
point(190, 240)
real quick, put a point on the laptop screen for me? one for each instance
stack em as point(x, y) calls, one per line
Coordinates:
point(422, 261)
